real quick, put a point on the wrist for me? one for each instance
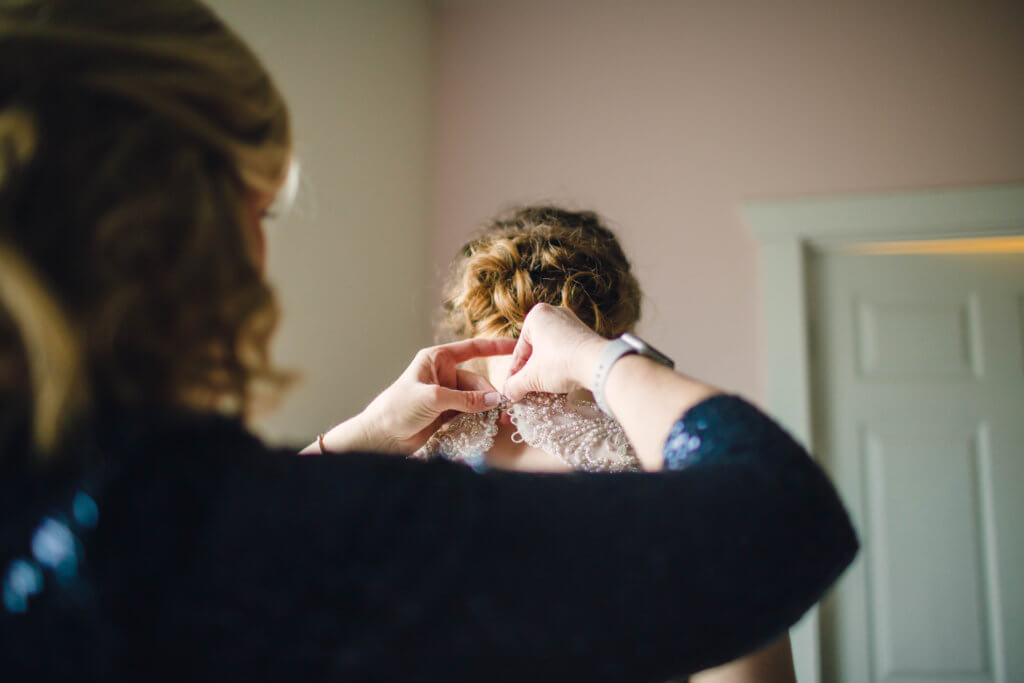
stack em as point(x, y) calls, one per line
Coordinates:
point(356, 433)
point(373, 436)
point(585, 361)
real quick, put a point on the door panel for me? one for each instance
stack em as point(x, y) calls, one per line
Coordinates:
point(888, 331)
point(918, 366)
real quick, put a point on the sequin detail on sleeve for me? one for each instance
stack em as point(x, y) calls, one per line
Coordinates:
point(725, 428)
point(683, 446)
point(54, 554)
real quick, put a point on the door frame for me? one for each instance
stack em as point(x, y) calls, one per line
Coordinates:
point(787, 232)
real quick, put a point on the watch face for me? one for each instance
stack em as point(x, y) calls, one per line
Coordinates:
point(645, 349)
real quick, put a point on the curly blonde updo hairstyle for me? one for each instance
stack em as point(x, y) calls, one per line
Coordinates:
point(540, 254)
point(133, 138)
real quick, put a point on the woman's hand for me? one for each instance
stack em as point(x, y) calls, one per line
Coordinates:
point(430, 392)
point(555, 353)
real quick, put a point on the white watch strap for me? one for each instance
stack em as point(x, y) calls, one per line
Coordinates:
point(612, 351)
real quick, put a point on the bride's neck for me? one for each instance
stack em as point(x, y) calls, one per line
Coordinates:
point(495, 369)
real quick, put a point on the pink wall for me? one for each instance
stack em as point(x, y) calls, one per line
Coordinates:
point(666, 115)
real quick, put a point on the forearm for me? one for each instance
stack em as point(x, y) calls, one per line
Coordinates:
point(351, 435)
point(646, 398)
point(762, 522)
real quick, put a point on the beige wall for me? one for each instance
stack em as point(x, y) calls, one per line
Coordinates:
point(666, 115)
point(663, 115)
point(348, 261)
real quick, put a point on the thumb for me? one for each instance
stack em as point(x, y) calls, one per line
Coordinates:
point(521, 355)
point(520, 383)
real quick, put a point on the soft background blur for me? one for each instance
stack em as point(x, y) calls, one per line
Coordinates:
point(418, 120)
point(351, 261)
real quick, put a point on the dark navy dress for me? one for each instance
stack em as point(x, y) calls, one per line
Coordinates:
point(185, 549)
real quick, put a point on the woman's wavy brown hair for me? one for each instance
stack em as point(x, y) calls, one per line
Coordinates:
point(133, 136)
point(540, 254)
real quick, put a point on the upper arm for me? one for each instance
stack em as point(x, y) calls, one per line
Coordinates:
point(353, 558)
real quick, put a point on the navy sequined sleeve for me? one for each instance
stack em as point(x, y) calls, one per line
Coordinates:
point(229, 559)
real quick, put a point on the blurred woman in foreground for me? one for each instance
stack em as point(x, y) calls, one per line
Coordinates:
point(146, 534)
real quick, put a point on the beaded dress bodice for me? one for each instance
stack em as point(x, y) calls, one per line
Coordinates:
point(568, 426)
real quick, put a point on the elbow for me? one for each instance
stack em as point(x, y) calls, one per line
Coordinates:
point(827, 542)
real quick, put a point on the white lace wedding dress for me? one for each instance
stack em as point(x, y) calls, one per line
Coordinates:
point(568, 426)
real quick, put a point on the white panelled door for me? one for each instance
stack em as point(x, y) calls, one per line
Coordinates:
point(918, 367)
